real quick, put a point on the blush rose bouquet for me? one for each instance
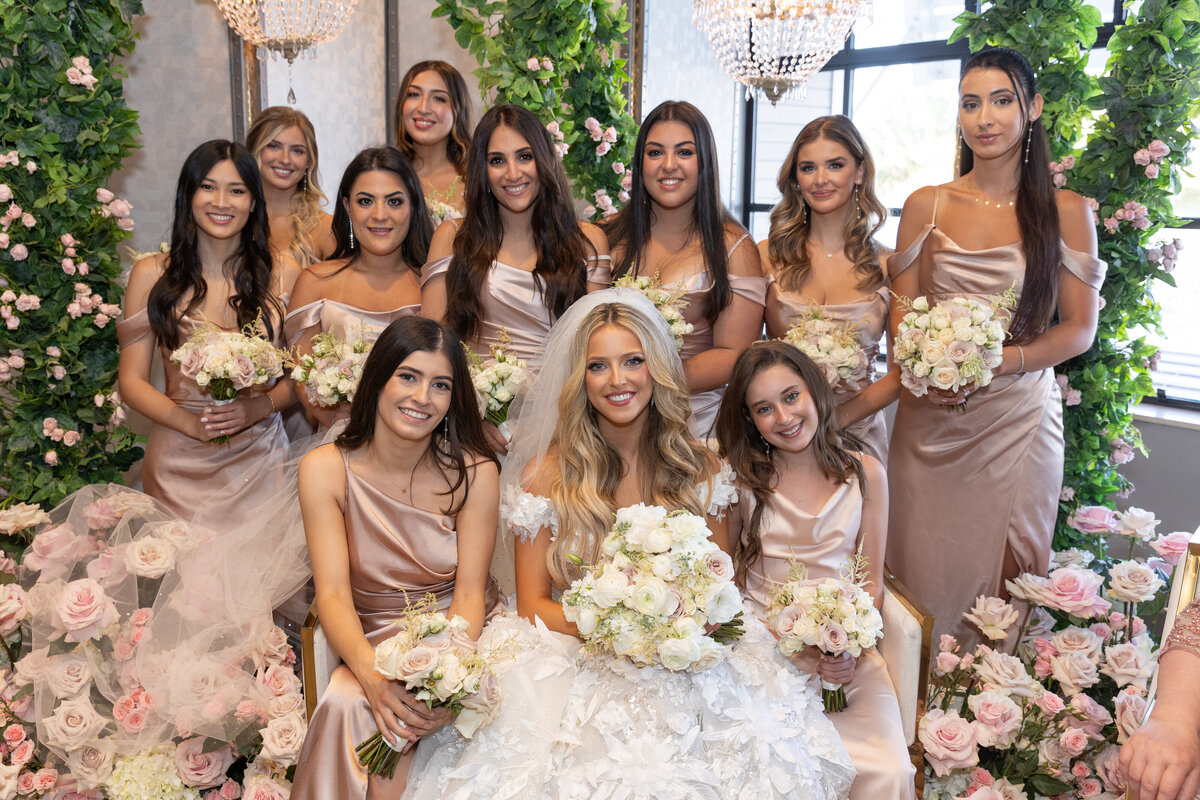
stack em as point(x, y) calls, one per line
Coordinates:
point(833, 347)
point(497, 381)
point(330, 373)
point(436, 660)
point(663, 595)
point(668, 301)
point(833, 615)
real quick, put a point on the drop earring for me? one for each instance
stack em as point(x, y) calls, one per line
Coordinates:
point(1028, 141)
point(351, 235)
point(766, 444)
point(957, 151)
point(803, 213)
point(857, 205)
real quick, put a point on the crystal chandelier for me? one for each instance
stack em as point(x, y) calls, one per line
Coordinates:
point(775, 46)
point(289, 28)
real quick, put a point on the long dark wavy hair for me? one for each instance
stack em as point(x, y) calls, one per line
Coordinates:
point(741, 444)
point(629, 231)
point(415, 247)
point(563, 247)
point(1037, 212)
point(250, 265)
point(790, 222)
point(458, 440)
point(459, 140)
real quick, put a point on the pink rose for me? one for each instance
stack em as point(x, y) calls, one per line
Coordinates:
point(946, 663)
point(1110, 224)
point(30, 167)
point(1089, 787)
point(54, 547)
point(72, 725)
point(283, 738)
point(997, 718)
point(1128, 665)
point(1050, 703)
point(1068, 162)
point(1074, 671)
point(1172, 546)
point(44, 780)
point(71, 438)
point(417, 664)
point(1004, 672)
point(1075, 591)
point(949, 741)
point(104, 196)
point(91, 767)
point(1152, 171)
point(1108, 769)
point(1074, 741)
point(14, 734)
point(261, 787)
point(12, 608)
point(1130, 711)
point(198, 768)
point(23, 752)
point(1074, 639)
point(84, 610)
point(125, 223)
point(19, 252)
point(68, 675)
point(992, 616)
point(5, 193)
point(1095, 716)
point(1093, 520)
point(947, 643)
point(1133, 582)
point(832, 638)
point(25, 783)
point(1142, 157)
point(1158, 149)
point(618, 168)
point(983, 793)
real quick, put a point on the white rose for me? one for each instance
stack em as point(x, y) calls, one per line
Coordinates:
point(586, 619)
point(68, 674)
point(933, 352)
point(722, 602)
point(652, 597)
point(1133, 582)
point(662, 566)
point(72, 725)
point(149, 557)
point(283, 737)
point(679, 654)
point(1137, 522)
point(1074, 672)
point(1128, 665)
point(657, 540)
point(21, 516)
point(610, 588)
point(711, 654)
point(1078, 640)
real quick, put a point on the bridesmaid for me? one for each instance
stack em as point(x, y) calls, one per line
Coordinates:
point(519, 258)
point(433, 130)
point(404, 503)
point(805, 496)
point(676, 228)
point(821, 256)
point(985, 482)
point(383, 232)
point(284, 143)
point(219, 271)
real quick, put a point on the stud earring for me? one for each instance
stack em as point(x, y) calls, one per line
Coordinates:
point(352, 236)
point(1028, 141)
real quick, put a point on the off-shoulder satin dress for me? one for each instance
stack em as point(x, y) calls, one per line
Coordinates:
point(330, 316)
point(181, 472)
point(868, 314)
point(967, 484)
point(870, 726)
point(394, 548)
point(512, 301)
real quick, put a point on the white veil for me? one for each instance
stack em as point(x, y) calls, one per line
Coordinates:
point(537, 414)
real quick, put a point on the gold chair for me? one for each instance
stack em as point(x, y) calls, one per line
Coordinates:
point(1185, 587)
point(319, 660)
point(905, 647)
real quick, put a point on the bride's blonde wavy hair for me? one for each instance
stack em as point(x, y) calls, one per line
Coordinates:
point(787, 243)
point(672, 462)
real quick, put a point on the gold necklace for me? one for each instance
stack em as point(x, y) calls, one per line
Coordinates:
point(827, 253)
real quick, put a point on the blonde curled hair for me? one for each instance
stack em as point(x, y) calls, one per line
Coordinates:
point(305, 204)
point(787, 243)
point(586, 470)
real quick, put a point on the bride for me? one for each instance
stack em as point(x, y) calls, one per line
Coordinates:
point(606, 426)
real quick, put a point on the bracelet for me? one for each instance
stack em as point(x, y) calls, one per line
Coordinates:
point(1020, 350)
point(271, 400)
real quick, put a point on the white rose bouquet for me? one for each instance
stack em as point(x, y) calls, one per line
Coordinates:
point(226, 362)
point(437, 661)
point(953, 344)
point(669, 302)
point(664, 596)
point(497, 381)
point(330, 373)
point(833, 615)
point(833, 347)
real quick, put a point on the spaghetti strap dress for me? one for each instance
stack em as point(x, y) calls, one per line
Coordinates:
point(967, 485)
point(396, 550)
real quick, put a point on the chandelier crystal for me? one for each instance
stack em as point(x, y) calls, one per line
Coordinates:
point(775, 46)
point(289, 28)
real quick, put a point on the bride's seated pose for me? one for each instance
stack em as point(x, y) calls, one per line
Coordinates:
point(604, 427)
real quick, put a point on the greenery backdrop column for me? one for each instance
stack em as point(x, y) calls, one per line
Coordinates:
point(64, 130)
point(1122, 140)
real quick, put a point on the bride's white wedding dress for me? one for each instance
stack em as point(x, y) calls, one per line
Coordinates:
point(580, 726)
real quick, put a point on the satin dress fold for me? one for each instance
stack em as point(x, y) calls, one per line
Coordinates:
point(512, 301)
point(868, 315)
point(330, 316)
point(184, 473)
point(397, 551)
point(870, 726)
point(967, 485)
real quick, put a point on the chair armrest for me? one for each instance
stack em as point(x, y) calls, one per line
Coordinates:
point(318, 660)
point(905, 648)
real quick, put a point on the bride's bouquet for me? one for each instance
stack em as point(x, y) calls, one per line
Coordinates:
point(833, 347)
point(664, 596)
point(330, 373)
point(437, 661)
point(834, 615)
point(669, 302)
point(497, 381)
point(226, 362)
point(955, 343)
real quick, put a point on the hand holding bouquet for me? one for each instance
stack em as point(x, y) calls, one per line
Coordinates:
point(330, 373)
point(834, 615)
point(437, 661)
point(226, 362)
point(669, 302)
point(497, 381)
point(664, 596)
point(833, 347)
point(951, 345)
